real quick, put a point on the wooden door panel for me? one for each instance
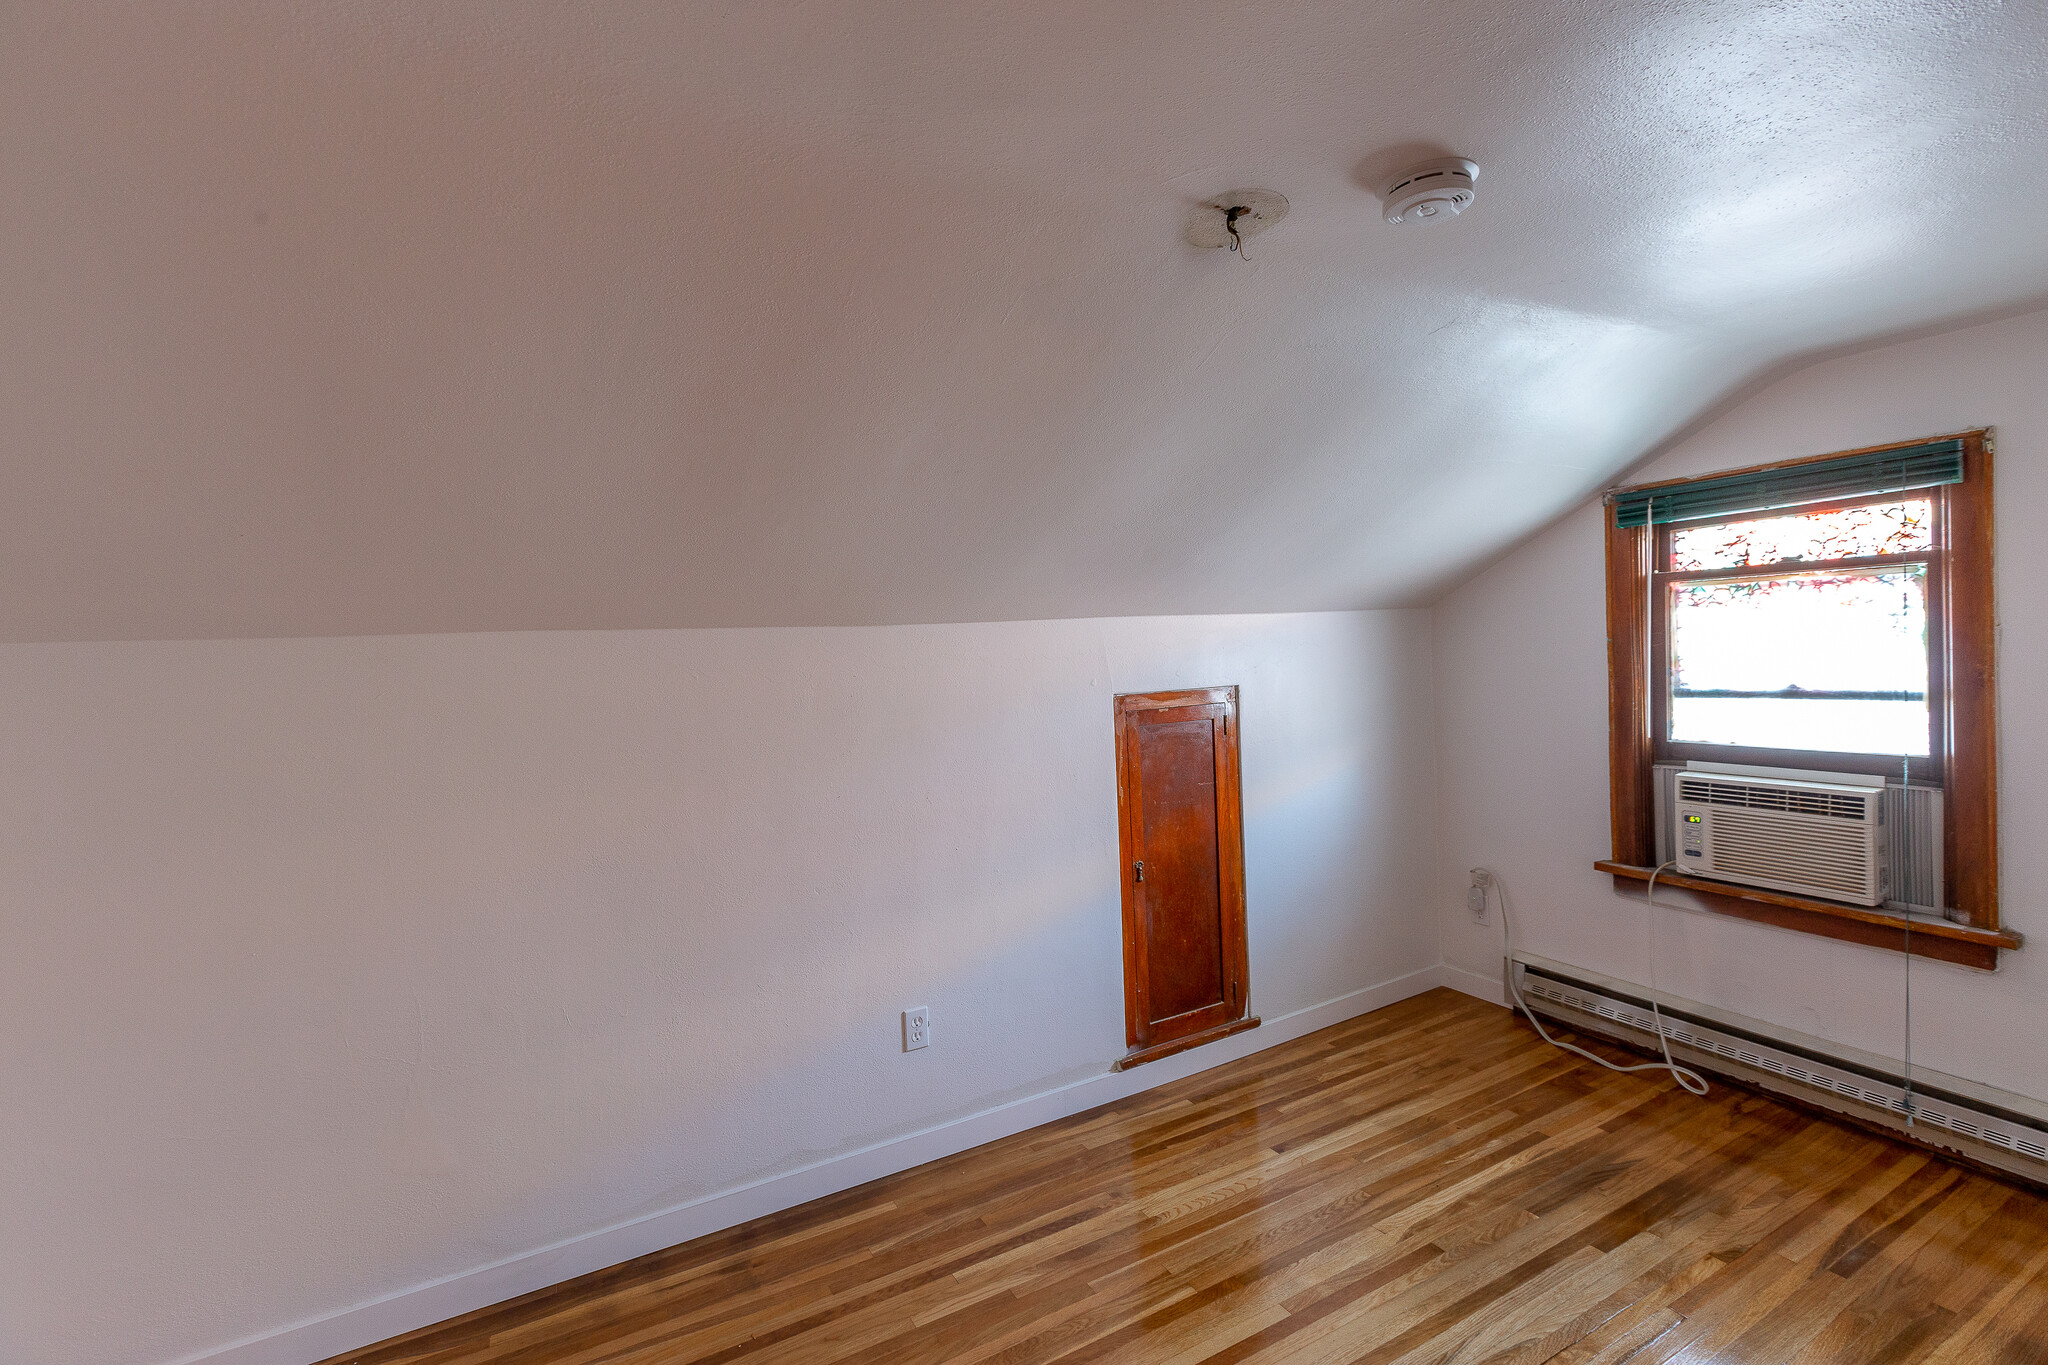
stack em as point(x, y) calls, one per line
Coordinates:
point(1181, 835)
point(1182, 894)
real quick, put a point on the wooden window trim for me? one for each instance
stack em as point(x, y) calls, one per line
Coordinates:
point(1961, 614)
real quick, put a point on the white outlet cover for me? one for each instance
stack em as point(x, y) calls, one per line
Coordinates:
point(917, 1028)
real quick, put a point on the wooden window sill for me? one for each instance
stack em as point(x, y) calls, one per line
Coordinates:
point(1940, 939)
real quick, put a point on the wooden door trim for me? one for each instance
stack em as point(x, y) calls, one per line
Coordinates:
point(1230, 850)
point(1141, 1055)
point(1127, 702)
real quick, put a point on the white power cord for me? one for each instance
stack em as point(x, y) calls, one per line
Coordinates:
point(1688, 1079)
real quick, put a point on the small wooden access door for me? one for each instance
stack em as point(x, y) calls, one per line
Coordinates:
point(1183, 870)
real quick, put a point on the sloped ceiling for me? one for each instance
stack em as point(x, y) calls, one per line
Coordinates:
point(507, 314)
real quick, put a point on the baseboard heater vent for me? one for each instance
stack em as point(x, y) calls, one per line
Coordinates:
point(2006, 1132)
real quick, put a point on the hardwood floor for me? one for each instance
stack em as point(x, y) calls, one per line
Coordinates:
point(1427, 1183)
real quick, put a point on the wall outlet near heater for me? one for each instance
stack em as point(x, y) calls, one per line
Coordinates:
point(1475, 895)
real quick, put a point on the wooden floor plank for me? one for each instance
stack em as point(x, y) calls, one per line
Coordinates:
point(1428, 1184)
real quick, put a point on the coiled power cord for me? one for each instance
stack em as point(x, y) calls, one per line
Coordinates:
point(1688, 1079)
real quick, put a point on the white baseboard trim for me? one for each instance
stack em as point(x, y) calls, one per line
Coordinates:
point(438, 1300)
point(1487, 988)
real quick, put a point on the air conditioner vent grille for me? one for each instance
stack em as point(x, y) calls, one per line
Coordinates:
point(1834, 859)
point(1815, 839)
point(1839, 806)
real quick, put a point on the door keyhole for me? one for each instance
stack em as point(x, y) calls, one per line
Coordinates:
point(1139, 869)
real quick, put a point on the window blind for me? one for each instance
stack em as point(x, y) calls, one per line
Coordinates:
point(1851, 476)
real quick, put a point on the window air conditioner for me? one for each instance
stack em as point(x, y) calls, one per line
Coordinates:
point(1810, 838)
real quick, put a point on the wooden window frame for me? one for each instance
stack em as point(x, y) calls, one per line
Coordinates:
point(1963, 756)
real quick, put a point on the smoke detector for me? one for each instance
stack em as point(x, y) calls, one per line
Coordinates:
point(1431, 192)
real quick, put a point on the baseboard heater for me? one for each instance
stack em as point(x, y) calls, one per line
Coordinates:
point(1994, 1127)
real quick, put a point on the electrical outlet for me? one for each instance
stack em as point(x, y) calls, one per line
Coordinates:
point(917, 1028)
point(1475, 895)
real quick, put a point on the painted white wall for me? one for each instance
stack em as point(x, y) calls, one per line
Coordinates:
point(1521, 655)
point(333, 966)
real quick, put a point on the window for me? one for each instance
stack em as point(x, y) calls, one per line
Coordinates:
point(1781, 639)
point(1833, 615)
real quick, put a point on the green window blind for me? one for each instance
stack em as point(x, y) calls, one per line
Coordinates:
point(1735, 495)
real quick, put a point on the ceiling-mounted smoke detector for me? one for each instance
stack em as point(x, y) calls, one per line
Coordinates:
point(1431, 192)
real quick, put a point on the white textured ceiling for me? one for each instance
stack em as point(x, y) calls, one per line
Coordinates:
point(376, 317)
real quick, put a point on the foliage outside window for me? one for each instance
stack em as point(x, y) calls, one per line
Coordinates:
point(1806, 631)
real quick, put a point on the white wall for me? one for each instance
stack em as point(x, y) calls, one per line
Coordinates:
point(1523, 686)
point(334, 966)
